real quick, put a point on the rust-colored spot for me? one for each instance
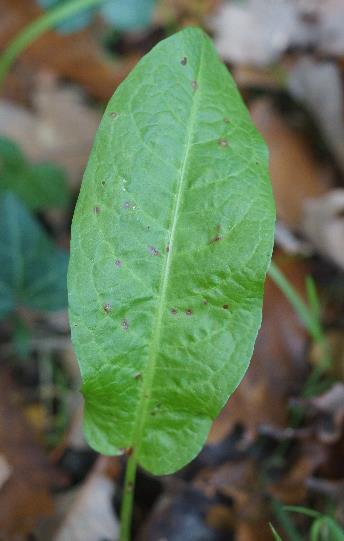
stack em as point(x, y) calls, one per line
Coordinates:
point(96, 210)
point(222, 143)
point(205, 301)
point(173, 311)
point(128, 451)
point(118, 263)
point(226, 306)
point(188, 312)
point(226, 120)
point(194, 85)
point(184, 61)
point(107, 308)
point(125, 324)
point(113, 114)
point(138, 375)
point(153, 251)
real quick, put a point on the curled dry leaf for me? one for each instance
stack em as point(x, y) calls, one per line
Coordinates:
point(89, 511)
point(318, 85)
point(323, 224)
point(258, 32)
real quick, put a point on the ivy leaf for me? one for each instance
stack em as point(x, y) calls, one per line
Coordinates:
point(128, 14)
point(32, 269)
point(39, 186)
point(171, 239)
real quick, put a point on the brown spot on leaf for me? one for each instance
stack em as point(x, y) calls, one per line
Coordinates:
point(205, 301)
point(188, 312)
point(184, 61)
point(128, 451)
point(125, 324)
point(194, 85)
point(138, 375)
point(96, 210)
point(173, 311)
point(118, 263)
point(223, 143)
point(113, 114)
point(107, 308)
point(217, 238)
point(225, 306)
point(153, 251)
point(167, 248)
point(226, 120)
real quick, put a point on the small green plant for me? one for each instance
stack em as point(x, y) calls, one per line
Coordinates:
point(323, 527)
point(171, 240)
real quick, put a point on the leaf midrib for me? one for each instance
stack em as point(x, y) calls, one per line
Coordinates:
point(153, 351)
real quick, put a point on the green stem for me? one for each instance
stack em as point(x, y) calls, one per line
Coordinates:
point(37, 28)
point(127, 499)
point(295, 300)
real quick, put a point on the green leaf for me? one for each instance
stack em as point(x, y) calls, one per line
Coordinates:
point(171, 239)
point(40, 185)
point(32, 269)
point(73, 24)
point(275, 534)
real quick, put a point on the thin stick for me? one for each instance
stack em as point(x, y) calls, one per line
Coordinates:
point(35, 29)
point(127, 499)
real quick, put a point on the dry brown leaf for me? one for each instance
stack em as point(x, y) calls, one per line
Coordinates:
point(294, 173)
point(318, 85)
point(323, 225)
point(258, 32)
point(25, 496)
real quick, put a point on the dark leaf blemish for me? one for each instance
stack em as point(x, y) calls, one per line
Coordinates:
point(107, 308)
point(226, 306)
point(138, 375)
point(118, 263)
point(96, 210)
point(173, 311)
point(125, 324)
point(205, 301)
point(217, 238)
point(153, 251)
point(194, 85)
point(113, 114)
point(223, 143)
point(188, 312)
point(184, 61)
point(226, 120)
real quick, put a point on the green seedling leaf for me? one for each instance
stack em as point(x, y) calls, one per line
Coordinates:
point(171, 240)
point(275, 534)
point(39, 186)
point(128, 14)
point(32, 269)
point(75, 23)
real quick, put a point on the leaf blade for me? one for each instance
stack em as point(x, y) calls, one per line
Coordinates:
point(156, 283)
